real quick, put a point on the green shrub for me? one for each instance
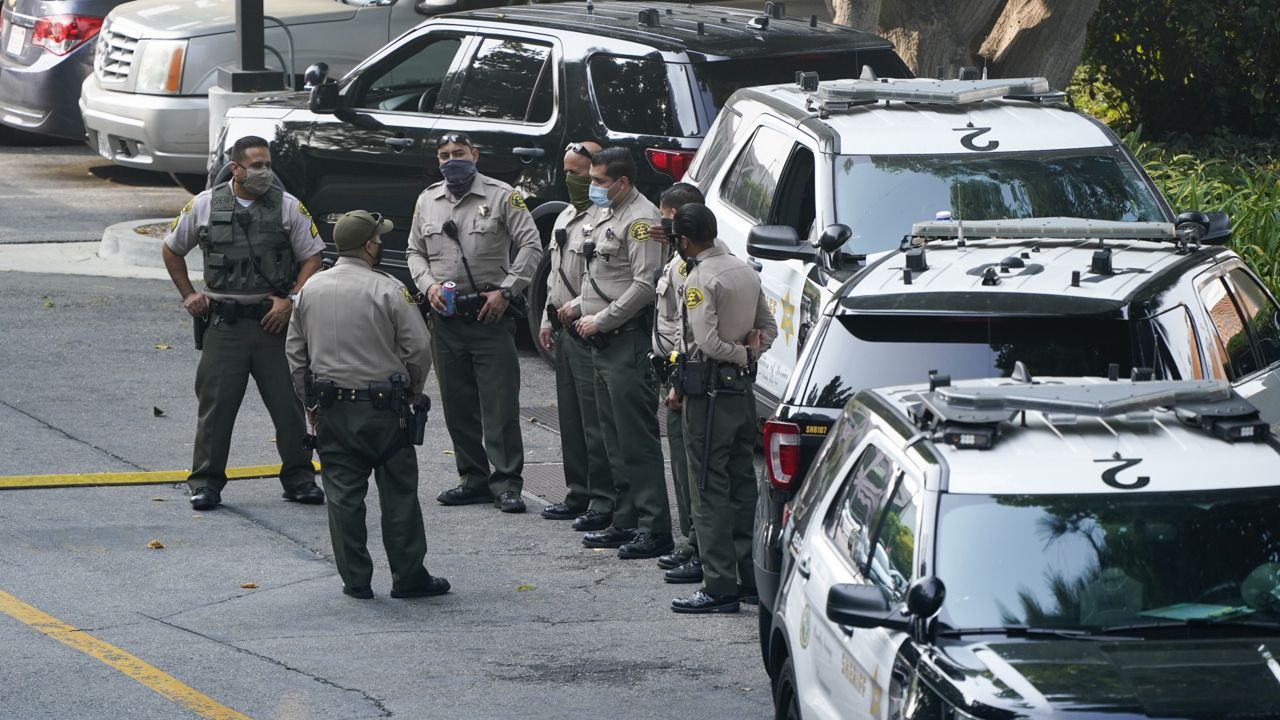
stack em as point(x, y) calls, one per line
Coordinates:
point(1192, 66)
point(1238, 177)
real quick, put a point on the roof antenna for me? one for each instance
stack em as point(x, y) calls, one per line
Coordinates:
point(1021, 373)
point(867, 73)
point(984, 68)
point(591, 7)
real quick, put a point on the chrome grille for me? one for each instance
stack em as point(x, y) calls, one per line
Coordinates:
point(114, 55)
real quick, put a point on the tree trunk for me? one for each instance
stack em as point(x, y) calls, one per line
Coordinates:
point(1011, 38)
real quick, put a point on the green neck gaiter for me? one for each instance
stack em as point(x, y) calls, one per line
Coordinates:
point(577, 186)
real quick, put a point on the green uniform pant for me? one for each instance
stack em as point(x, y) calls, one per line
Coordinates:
point(586, 461)
point(479, 376)
point(723, 510)
point(680, 474)
point(232, 353)
point(353, 440)
point(627, 398)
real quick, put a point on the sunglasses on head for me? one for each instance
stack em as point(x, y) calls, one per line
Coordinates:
point(580, 149)
point(455, 137)
point(377, 220)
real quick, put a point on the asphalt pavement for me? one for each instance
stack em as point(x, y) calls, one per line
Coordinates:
point(122, 601)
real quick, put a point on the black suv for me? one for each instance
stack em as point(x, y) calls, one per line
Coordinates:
point(1066, 297)
point(524, 81)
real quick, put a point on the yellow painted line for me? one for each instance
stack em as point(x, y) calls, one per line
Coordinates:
point(163, 477)
point(118, 660)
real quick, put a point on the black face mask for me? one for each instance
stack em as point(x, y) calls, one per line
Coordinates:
point(669, 229)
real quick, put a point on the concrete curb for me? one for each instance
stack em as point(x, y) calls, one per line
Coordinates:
point(121, 244)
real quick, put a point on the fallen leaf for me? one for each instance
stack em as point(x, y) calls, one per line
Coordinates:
point(524, 588)
point(448, 452)
point(47, 304)
point(157, 499)
point(157, 412)
point(162, 346)
point(155, 545)
point(248, 586)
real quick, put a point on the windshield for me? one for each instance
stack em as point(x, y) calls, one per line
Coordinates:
point(880, 197)
point(864, 351)
point(1107, 560)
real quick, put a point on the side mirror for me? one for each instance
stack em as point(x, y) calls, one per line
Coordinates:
point(1219, 229)
point(777, 242)
point(324, 99)
point(316, 74)
point(863, 606)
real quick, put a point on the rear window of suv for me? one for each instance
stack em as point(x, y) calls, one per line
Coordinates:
point(643, 96)
point(866, 351)
point(724, 77)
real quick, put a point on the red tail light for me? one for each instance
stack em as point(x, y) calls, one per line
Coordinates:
point(60, 34)
point(671, 162)
point(782, 454)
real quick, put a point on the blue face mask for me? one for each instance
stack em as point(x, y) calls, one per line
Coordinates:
point(600, 195)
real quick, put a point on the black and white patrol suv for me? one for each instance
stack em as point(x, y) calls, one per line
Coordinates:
point(817, 172)
point(1035, 548)
point(1063, 296)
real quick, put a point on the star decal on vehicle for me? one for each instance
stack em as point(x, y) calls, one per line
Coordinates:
point(788, 323)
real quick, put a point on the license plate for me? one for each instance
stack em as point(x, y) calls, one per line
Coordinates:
point(17, 36)
point(104, 145)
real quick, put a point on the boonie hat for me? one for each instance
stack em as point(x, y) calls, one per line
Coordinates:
point(358, 227)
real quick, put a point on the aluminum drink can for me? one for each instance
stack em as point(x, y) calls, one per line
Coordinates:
point(447, 292)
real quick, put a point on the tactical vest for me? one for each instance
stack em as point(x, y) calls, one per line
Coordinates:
point(237, 236)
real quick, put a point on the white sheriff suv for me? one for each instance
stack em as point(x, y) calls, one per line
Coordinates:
point(1035, 548)
point(805, 177)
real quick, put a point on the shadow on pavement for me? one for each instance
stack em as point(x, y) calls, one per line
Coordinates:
point(10, 137)
point(130, 177)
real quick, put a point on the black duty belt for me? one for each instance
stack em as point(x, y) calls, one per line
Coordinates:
point(232, 310)
point(637, 322)
point(352, 395)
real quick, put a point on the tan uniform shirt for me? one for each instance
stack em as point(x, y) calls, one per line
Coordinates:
point(724, 302)
point(567, 263)
point(626, 262)
point(491, 220)
point(354, 325)
point(670, 298)
point(183, 235)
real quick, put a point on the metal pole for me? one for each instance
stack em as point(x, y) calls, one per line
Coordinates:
point(250, 36)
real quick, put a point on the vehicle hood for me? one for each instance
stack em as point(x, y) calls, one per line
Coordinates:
point(173, 19)
point(1191, 679)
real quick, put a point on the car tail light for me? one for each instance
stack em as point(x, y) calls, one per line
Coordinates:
point(60, 34)
point(671, 162)
point(782, 453)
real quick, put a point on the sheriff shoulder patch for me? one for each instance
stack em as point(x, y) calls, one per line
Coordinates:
point(408, 296)
point(187, 208)
point(639, 231)
point(517, 202)
point(693, 298)
point(302, 210)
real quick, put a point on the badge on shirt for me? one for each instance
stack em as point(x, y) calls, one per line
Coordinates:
point(683, 270)
point(483, 211)
point(639, 231)
point(517, 202)
point(693, 298)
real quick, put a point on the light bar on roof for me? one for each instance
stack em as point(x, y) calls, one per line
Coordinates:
point(943, 92)
point(1057, 227)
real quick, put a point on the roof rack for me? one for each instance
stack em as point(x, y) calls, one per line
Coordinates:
point(841, 95)
point(1052, 227)
point(971, 417)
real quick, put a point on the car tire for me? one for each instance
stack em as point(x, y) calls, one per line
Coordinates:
point(192, 183)
point(786, 699)
point(764, 620)
point(538, 305)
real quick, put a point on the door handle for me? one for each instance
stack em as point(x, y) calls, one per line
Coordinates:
point(755, 263)
point(398, 143)
point(802, 567)
point(528, 153)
